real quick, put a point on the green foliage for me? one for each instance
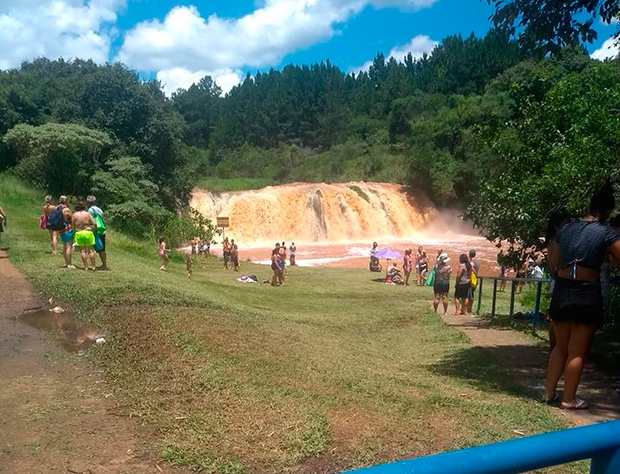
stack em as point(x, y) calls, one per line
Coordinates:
point(555, 152)
point(548, 26)
point(58, 157)
point(179, 230)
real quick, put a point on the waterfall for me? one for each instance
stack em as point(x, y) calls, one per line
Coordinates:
point(319, 212)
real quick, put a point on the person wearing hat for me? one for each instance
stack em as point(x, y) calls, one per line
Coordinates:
point(442, 282)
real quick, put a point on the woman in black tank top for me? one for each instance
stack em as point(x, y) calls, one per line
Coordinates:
point(576, 308)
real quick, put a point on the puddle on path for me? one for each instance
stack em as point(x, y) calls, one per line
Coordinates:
point(72, 334)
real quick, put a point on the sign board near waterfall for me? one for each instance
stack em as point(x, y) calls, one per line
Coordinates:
point(223, 222)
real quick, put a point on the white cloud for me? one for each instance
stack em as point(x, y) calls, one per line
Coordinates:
point(185, 40)
point(175, 78)
point(56, 28)
point(418, 45)
point(608, 50)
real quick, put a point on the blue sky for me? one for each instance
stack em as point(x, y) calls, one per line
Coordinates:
point(178, 42)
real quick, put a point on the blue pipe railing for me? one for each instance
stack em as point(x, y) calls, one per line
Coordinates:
point(600, 442)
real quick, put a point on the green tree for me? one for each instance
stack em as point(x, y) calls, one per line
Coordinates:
point(550, 25)
point(58, 157)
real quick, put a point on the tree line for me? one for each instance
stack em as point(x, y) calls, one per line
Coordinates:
point(485, 124)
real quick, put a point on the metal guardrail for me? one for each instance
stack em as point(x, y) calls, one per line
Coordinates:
point(513, 286)
point(600, 442)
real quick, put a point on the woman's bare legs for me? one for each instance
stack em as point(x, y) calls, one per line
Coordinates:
point(91, 254)
point(457, 305)
point(407, 274)
point(67, 249)
point(54, 241)
point(572, 344)
point(444, 298)
point(83, 256)
point(578, 347)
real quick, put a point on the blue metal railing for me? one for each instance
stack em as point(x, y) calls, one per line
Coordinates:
point(600, 442)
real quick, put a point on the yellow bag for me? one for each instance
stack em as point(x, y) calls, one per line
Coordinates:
point(473, 279)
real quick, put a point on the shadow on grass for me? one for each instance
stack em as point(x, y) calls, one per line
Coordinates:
point(519, 374)
point(503, 321)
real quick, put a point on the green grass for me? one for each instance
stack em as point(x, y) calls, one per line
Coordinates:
point(331, 371)
point(219, 185)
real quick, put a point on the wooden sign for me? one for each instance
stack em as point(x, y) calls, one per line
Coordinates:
point(223, 222)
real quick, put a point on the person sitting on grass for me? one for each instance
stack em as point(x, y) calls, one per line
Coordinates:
point(83, 226)
point(162, 252)
point(463, 284)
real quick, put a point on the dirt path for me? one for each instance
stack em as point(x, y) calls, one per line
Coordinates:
point(54, 414)
point(526, 362)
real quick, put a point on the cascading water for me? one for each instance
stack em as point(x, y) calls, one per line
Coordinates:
point(319, 212)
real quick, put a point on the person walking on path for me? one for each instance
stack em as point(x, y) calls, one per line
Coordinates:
point(97, 215)
point(441, 286)
point(576, 310)
point(83, 228)
point(463, 284)
point(48, 208)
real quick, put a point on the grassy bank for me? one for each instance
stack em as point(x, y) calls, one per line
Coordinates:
point(329, 372)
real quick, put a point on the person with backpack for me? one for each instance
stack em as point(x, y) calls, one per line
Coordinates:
point(60, 221)
point(100, 228)
point(48, 208)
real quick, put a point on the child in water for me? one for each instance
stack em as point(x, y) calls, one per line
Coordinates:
point(162, 253)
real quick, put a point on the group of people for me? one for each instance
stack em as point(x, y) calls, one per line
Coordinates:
point(438, 276)
point(465, 283)
point(278, 262)
point(230, 251)
point(82, 228)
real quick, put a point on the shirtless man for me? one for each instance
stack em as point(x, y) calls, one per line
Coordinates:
point(83, 226)
point(234, 255)
point(48, 208)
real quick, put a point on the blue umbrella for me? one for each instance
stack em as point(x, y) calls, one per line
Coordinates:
point(387, 253)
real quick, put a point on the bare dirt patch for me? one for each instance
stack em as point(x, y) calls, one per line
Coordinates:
point(54, 414)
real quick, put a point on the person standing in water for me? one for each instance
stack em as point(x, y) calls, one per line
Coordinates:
point(162, 252)
point(48, 208)
point(83, 225)
point(292, 250)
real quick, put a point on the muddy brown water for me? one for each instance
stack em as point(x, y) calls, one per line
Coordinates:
point(72, 334)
